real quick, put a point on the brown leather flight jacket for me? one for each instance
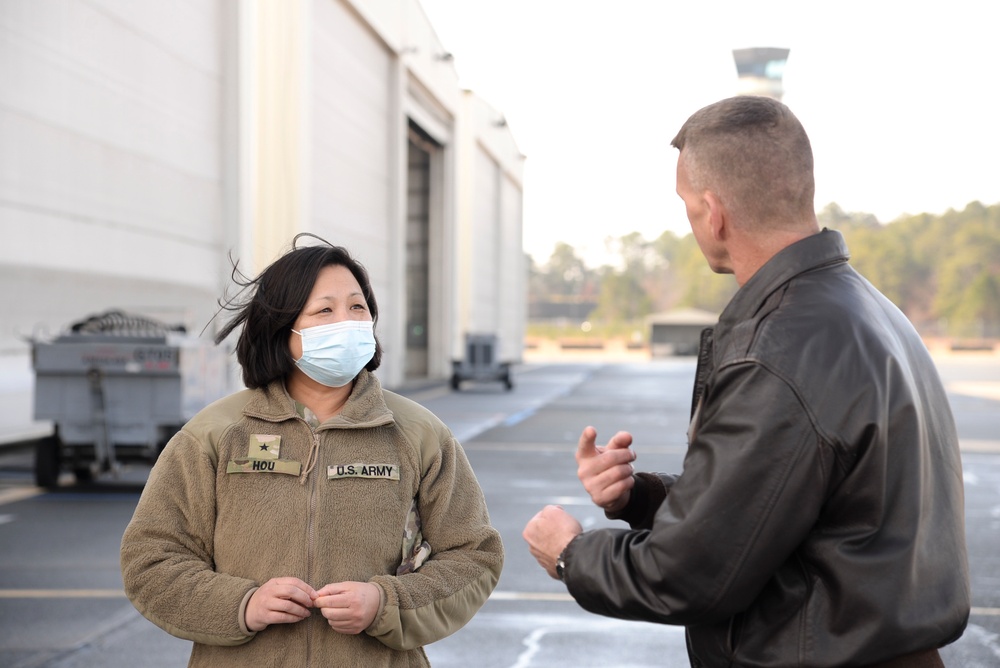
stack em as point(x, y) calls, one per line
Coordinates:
point(818, 520)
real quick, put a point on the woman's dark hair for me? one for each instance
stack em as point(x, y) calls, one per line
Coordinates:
point(267, 306)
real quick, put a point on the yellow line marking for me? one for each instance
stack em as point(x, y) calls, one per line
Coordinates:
point(62, 593)
point(19, 494)
point(979, 389)
point(496, 596)
point(555, 596)
point(566, 447)
point(118, 593)
point(973, 445)
point(966, 445)
point(986, 612)
point(530, 596)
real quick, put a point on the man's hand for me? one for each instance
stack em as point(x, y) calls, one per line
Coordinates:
point(349, 607)
point(606, 471)
point(548, 533)
point(279, 601)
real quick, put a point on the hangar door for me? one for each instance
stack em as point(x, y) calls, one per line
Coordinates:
point(421, 150)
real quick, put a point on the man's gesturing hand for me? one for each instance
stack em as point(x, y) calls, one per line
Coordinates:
point(279, 601)
point(606, 471)
point(548, 533)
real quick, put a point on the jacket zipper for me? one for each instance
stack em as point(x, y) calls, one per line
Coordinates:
point(311, 542)
point(704, 368)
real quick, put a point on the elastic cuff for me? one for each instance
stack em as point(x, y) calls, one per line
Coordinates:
point(648, 493)
point(243, 612)
point(567, 557)
point(639, 491)
point(381, 607)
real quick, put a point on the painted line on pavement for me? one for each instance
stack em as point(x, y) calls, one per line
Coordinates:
point(978, 445)
point(520, 416)
point(19, 494)
point(986, 612)
point(530, 596)
point(564, 447)
point(555, 596)
point(978, 389)
point(495, 596)
point(62, 593)
point(118, 593)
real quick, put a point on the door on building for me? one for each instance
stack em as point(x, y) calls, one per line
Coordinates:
point(419, 189)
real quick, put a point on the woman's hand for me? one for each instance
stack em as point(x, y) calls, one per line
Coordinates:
point(279, 601)
point(349, 607)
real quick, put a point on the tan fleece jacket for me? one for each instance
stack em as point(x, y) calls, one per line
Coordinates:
point(232, 502)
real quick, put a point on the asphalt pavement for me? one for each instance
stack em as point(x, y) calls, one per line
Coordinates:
point(61, 604)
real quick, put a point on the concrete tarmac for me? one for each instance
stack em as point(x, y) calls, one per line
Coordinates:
point(61, 604)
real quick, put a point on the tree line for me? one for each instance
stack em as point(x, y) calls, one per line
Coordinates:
point(942, 271)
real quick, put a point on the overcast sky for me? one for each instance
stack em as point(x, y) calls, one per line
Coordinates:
point(901, 103)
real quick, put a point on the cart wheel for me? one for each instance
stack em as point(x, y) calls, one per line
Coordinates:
point(455, 382)
point(47, 464)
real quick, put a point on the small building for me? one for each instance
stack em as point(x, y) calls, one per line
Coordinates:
point(678, 332)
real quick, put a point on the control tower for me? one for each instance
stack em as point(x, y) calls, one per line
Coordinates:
point(760, 70)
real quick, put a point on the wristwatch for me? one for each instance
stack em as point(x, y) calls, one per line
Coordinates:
point(561, 566)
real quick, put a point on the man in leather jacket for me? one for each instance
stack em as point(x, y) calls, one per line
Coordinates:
point(818, 520)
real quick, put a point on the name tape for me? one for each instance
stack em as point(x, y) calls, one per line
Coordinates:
point(384, 471)
point(286, 466)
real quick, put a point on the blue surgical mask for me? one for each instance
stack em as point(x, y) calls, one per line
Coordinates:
point(334, 354)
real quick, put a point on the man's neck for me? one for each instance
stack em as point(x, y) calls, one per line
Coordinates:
point(753, 252)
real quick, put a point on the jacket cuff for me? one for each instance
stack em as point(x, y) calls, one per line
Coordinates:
point(243, 613)
point(648, 493)
point(566, 555)
point(381, 608)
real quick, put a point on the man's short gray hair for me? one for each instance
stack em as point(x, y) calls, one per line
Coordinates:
point(754, 154)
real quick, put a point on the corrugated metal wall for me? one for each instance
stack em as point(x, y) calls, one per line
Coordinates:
point(143, 141)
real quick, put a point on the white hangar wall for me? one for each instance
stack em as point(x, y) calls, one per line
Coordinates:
point(144, 142)
point(110, 169)
point(492, 266)
point(382, 178)
point(353, 148)
point(112, 161)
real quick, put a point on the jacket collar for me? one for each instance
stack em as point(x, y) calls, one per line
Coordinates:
point(364, 408)
point(826, 247)
point(762, 292)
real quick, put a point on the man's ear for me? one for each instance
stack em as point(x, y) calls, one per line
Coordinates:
point(718, 217)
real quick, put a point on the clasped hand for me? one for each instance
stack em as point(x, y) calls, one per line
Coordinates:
point(349, 607)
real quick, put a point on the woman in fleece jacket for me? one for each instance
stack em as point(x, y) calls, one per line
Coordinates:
point(313, 519)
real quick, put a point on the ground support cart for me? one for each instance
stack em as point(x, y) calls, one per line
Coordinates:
point(116, 388)
point(480, 362)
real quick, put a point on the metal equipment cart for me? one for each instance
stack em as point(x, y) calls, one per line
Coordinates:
point(117, 387)
point(480, 362)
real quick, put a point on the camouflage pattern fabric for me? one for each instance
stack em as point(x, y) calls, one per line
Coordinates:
point(307, 415)
point(415, 549)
